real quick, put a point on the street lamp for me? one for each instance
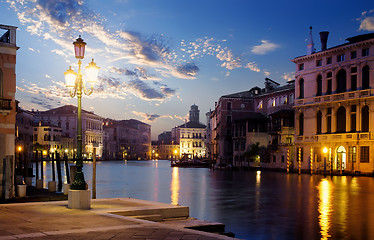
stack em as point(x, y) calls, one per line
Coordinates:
point(77, 87)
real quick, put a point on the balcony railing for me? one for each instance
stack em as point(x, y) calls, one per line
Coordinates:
point(5, 104)
point(336, 137)
point(335, 97)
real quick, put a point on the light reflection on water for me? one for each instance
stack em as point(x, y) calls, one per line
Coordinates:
point(175, 186)
point(325, 207)
point(253, 205)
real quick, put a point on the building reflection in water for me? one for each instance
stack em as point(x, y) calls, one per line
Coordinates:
point(325, 207)
point(175, 186)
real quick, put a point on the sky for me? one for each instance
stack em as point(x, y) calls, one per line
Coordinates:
point(159, 57)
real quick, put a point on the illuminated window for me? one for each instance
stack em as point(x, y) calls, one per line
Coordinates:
point(259, 105)
point(352, 153)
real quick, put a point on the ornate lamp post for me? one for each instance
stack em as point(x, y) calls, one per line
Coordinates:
point(77, 87)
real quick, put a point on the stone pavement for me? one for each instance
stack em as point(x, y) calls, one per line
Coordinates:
point(107, 219)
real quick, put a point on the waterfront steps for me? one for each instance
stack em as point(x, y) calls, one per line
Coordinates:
point(105, 220)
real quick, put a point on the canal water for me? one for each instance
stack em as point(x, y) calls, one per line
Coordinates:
point(253, 205)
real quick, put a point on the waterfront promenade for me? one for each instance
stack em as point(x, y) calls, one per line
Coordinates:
point(105, 220)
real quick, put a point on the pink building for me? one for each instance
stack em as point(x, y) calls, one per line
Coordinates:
point(263, 116)
point(334, 106)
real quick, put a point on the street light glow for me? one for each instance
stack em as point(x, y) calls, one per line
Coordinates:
point(325, 150)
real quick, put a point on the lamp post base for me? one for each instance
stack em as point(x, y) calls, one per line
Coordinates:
point(79, 182)
point(79, 199)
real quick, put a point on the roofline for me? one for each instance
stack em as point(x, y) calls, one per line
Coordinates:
point(334, 49)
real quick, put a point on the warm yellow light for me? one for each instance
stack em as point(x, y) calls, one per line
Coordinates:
point(156, 154)
point(153, 151)
point(66, 150)
point(45, 152)
point(325, 150)
point(92, 72)
point(70, 77)
point(52, 150)
point(19, 148)
point(175, 151)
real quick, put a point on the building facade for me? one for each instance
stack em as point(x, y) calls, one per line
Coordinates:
point(334, 106)
point(47, 138)
point(65, 117)
point(127, 139)
point(191, 136)
point(8, 52)
point(221, 146)
point(25, 132)
point(262, 116)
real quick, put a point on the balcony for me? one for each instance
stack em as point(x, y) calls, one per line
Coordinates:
point(336, 137)
point(336, 97)
point(5, 106)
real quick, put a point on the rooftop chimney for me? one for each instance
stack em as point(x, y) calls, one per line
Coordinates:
point(310, 46)
point(324, 35)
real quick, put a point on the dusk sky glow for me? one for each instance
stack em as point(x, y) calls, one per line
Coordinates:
point(157, 58)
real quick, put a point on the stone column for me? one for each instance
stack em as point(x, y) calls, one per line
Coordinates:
point(334, 85)
point(333, 119)
point(347, 118)
point(359, 76)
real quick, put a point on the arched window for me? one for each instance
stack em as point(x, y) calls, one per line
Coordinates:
point(319, 122)
point(365, 119)
point(301, 88)
point(319, 85)
point(365, 77)
point(301, 124)
point(341, 80)
point(340, 120)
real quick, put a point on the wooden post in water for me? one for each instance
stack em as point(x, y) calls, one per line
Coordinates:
point(53, 167)
point(36, 159)
point(311, 160)
point(41, 166)
point(288, 160)
point(94, 175)
point(67, 168)
point(299, 160)
point(59, 176)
